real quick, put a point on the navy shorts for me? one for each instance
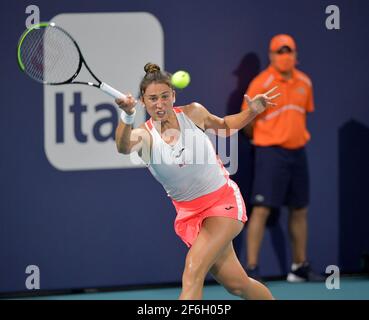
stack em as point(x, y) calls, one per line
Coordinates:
point(281, 177)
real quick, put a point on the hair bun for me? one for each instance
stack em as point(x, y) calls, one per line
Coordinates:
point(151, 67)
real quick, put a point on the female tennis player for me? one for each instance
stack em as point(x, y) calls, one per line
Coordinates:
point(209, 205)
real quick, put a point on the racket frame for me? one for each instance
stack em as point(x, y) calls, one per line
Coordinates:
point(106, 88)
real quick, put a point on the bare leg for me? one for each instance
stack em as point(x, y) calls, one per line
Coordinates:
point(228, 271)
point(298, 233)
point(215, 235)
point(255, 233)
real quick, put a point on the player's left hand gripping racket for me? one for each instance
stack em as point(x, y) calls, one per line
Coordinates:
point(48, 54)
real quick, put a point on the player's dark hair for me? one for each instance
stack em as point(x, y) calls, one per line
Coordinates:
point(154, 74)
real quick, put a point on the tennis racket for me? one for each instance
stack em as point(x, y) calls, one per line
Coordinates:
point(49, 55)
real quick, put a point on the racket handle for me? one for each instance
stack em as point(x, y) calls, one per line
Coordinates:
point(111, 91)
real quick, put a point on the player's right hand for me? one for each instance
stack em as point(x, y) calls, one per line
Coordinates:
point(127, 104)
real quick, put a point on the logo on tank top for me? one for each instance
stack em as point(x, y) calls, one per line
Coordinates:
point(179, 153)
point(179, 157)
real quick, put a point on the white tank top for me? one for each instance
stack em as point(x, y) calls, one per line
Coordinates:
point(190, 168)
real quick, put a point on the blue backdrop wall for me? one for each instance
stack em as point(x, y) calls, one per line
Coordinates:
point(77, 227)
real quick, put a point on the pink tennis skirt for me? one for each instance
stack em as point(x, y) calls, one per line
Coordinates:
point(227, 201)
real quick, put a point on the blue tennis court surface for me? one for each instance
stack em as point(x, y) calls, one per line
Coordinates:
point(351, 288)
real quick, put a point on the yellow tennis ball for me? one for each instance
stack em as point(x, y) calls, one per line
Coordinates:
point(181, 79)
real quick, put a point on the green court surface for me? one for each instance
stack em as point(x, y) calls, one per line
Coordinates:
point(351, 288)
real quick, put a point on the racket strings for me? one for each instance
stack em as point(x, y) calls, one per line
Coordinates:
point(49, 55)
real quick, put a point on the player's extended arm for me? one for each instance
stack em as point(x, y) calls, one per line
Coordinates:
point(230, 124)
